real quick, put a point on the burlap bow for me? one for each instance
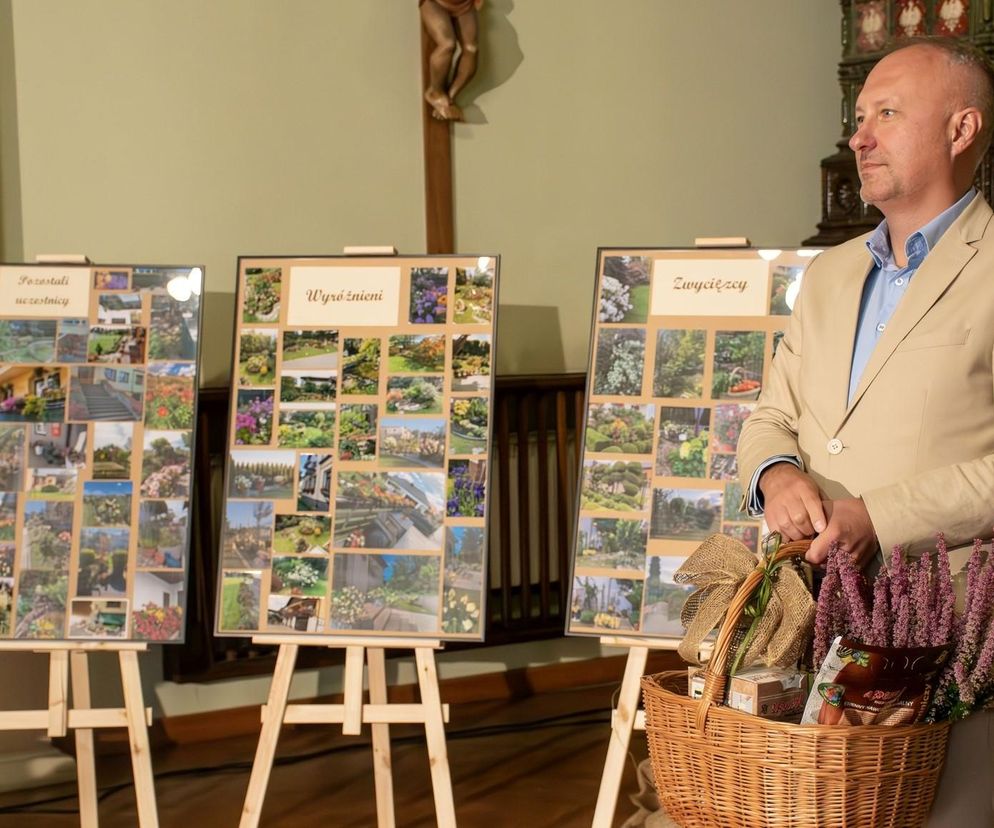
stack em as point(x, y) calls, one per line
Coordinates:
point(717, 567)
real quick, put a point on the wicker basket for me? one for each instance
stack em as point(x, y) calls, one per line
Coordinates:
point(719, 767)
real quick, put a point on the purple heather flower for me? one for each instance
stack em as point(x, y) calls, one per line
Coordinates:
point(945, 597)
point(880, 634)
point(828, 610)
point(853, 586)
point(921, 620)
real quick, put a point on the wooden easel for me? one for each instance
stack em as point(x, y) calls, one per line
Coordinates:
point(67, 657)
point(352, 713)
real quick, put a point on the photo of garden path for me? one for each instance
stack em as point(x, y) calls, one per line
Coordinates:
point(389, 510)
point(663, 599)
point(414, 395)
point(615, 428)
point(361, 366)
point(625, 289)
point(468, 425)
point(124, 345)
point(471, 362)
point(416, 354)
point(474, 302)
point(162, 534)
point(685, 514)
point(409, 441)
point(112, 450)
point(618, 486)
point(679, 363)
point(464, 547)
point(738, 365)
point(257, 357)
point(604, 603)
point(302, 534)
point(310, 350)
point(397, 593)
point(103, 562)
point(248, 534)
point(611, 543)
point(24, 341)
point(683, 442)
point(240, 601)
point(619, 361)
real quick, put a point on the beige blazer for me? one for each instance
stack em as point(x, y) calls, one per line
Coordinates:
point(917, 441)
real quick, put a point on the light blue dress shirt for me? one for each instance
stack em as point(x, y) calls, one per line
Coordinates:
point(885, 285)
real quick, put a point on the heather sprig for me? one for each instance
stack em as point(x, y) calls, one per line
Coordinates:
point(880, 632)
point(854, 592)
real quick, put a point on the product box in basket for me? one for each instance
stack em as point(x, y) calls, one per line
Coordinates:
point(771, 693)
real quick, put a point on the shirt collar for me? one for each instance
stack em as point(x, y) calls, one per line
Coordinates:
point(919, 243)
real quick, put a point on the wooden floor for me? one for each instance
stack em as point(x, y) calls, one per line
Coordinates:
point(530, 762)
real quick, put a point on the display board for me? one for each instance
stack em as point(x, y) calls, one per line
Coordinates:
point(681, 346)
point(357, 474)
point(98, 380)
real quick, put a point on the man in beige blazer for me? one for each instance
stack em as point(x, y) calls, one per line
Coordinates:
point(876, 426)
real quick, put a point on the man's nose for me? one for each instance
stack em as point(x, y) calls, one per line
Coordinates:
point(862, 138)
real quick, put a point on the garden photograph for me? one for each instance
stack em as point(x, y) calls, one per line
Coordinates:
point(299, 576)
point(679, 363)
point(257, 357)
point(254, 418)
point(625, 289)
point(724, 467)
point(471, 362)
point(27, 341)
point(166, 464)
point(409, 441)
point(149, 278)
point(619, 361)
point(112, 450)
point(738, 365)
point(464, 557)
point(101, 393)
point(8, 520)
point(11, 458)
point(398, 593)
point(784, 287)
point(261, 474)
point(119, 309)
point(41, 604)
point(417, 354)
point(52, 446)
point(606, 604)
point(390, 510)
point(98, 619)
point(307, 428)
point(465, 488)
point(414, 395)
point(615, 428)
point(6, 606)
point(240, 597)
point(747, 535)
point(248, 534)
point(47, 535)
point(157, 606)
point(162, 533)
point(300, 387)
point(53, 484)
point(662, 598)
point(170, 395)
point(74, 334)
point(302, 534)
point(462, 610)
point(429, 295)
point(295, 612)
point(261, 294)
point(682, 450)
point(727, 426)
point(468, 425)
point(474, 301)
point(685, 514)
point(173, 328)
point(114, 345)
point(103, 562)
point(107, 503)
point(357, 432)
point(361, 366)
point(310, 350)
point(111, 280)
point(611, 543)
point(618, 486)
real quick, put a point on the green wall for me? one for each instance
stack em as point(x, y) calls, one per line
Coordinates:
point(192, 132)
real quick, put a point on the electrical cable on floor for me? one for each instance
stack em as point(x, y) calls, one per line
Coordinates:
point(560, 720)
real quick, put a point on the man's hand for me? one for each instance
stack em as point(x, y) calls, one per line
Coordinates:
point(792, 502)
point(849, 525)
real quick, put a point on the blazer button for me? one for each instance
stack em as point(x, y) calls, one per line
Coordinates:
point(834, 446)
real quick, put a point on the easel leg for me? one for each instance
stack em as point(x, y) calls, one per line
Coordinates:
point(382, 769)
point(86, 768)
point(141, 756)
point(621, 734)
point(431, 700)
point(58, 693)
point(272, 720)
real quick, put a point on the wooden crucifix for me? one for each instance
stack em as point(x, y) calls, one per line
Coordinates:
point(449, 48)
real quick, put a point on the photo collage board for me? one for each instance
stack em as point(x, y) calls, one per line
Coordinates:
point(357, 476)
point(98, 382)
point(682, 343)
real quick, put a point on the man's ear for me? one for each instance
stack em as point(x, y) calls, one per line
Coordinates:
point(966, 126)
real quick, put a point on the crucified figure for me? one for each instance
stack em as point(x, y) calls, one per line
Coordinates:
point(449, 22)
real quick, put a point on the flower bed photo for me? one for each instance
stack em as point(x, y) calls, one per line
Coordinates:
point(474, 301)
point(466, 488)
point(155, 623)
point(302, 534)
point(299, 576)
point(685, 514)
point(429, 295)
point(166, 464)
point(619, 486)
point(261, 474)
point(261, 294)
point(468, 425)
point(47, 538)
point(408, 441)
point(247, 538)
point(361, 366)
point(257, 357)
point(41, 604)
point(357, 421)
point(170, 396)
point(614, 428)
point(462, 611)
point(107, 503)
point(727, 426)
point(11, 457)
point(683, 442)
point(625, 289)
point(8, 520)
point(619, 361)
point(112, 450)
point(399, 593)
point(307, 429)
point(310, 350)
point(601, 603)
point(414, 395)
point(471, 362)
point(240, 607)
point(417, 354)
point(254, 418)
point(679, 363)
point(611, 543)
point(389, 510)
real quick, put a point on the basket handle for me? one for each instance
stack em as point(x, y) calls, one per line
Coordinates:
point(716, 670)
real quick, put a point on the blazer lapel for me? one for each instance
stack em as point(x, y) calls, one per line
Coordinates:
point(938, 271)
